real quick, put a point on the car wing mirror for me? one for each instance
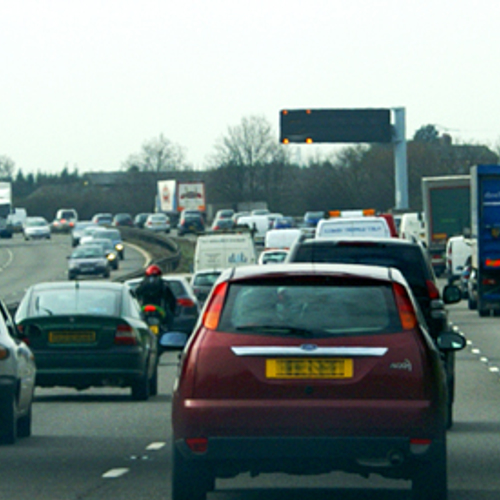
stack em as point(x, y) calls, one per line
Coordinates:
point(173, 340)
point(452, 340)
point(451, 294)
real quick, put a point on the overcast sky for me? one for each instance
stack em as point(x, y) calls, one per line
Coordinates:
point(86, 83)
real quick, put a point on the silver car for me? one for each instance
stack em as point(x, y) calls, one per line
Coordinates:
point(88, 260)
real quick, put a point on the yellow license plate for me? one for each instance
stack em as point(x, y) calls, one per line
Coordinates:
point(154, 328)
point(303, 368)
point(81, 337)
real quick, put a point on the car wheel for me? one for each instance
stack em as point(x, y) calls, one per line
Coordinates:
point(107, 273)
point(483, 312)
point(189, 480)
point(153, 383)
point(140, 389)
point(8, 432)
point(71, 276)
point(24, 425)
point(430, 481)
point(472, 304)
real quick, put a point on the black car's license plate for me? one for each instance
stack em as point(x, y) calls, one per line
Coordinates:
point(68, 337)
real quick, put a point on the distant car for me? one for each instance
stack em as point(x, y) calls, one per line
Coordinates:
point(226, 213)
point(309, 369)
point(284, 223)
point(273, 256)
point(191, 221)
point(17, 381)
point(88, 334)
point(203, 281)
point(115, 236)
point(65, 220)
point(88, 260)
point(79, 230)
point(464, 278)
point(36, 228)
point(272, 217)
point(122, 220)
point(159, 223)
point(237, 215)
point(188, 307)
point(109, 250)
point(222, 224)
point(311, 219)
point(140, 219)
point(260, 211)
point(104, 219)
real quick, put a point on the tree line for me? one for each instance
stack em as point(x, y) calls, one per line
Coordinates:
point(248, 165)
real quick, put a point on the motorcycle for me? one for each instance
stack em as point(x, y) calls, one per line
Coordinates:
point(167, 340)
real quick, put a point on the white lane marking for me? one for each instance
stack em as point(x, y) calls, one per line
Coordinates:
point(114, 473)
point(155, 446)
point(483, 359)
point(494, 369)
point(475, 351)
point(9, 260)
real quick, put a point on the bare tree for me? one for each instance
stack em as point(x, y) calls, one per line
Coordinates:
point(6, 167)
point(157, 155)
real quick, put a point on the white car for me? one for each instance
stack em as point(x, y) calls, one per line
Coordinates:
point(17, 381)
point(158, 222)
point(275, 256)
point(36, 228)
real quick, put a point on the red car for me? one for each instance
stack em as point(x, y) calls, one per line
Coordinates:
point(307, 369)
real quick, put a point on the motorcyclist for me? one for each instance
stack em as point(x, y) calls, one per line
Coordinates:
point(154, 290)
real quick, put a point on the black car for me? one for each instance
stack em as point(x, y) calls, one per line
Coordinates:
point(407, 256)
point(191, 221)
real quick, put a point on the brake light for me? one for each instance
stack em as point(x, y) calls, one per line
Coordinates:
point(197, 445)
point(125, 335)
point(405, 307)
point(149, 308)
point(214, 309)
point(185, 302)
point(432, 290)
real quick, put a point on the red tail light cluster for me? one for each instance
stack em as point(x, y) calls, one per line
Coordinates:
point(214, 309)
point(432, 289)
point(185, 302)
point(125, 335)
point(405, 307)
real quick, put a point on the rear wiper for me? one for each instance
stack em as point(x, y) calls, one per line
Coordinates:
point(282, 330)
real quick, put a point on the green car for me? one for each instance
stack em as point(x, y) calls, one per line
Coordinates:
point(88, 334)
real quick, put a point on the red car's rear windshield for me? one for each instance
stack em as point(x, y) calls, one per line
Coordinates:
point(310, 309)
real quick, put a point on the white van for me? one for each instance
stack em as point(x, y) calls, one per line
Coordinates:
point(355, 227)
point(281, 238)
point(258, 224)
point(458, 248)
point(219, 251)
point(412, 226)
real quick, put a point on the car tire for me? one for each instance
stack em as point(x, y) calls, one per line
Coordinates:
point(483, 313)
point(472, 304)
point(107, 273)
point(153, 383)
point(430, 481)
point(24, 425)
point(189, 480)
point(71, 276)
point(8, 429)
point(140, 388)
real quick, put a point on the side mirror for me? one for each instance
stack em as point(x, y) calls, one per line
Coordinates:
point(451, 341)
point(173, 340)
point(451, 294)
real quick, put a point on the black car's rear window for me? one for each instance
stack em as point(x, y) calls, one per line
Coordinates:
point(408, 259)
point(310, 309)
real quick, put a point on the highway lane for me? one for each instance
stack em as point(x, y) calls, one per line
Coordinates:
point(23, 263)
point(99, 444)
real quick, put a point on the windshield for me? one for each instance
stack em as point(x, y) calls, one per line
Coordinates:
point(87, 252)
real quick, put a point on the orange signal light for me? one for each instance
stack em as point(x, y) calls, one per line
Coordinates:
point(308, 111)
point(309, 140)
point(285, 141)
point(285, 112)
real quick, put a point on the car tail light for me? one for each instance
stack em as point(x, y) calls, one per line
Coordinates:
point(125, 335)
point(405, 307)
point(149, 308)
point(185, 302)
point(432, 290)
point(214, 309)
point(489, 281)
point(197, 445)
point(419, 446)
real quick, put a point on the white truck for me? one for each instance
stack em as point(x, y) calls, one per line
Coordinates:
point(6, 228)
point(175, 196)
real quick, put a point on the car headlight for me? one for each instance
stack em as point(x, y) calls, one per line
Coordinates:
point(111, 256)
point(119, 247)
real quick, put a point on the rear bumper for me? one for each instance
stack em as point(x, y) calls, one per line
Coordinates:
point(392, 457)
